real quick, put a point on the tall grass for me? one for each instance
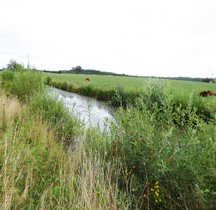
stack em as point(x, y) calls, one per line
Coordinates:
point(23, 84)
point(160, 153)
point(53, 112)
point(152, 92)
point(37, 171)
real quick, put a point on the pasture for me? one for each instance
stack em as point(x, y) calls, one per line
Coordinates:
point(129, 83)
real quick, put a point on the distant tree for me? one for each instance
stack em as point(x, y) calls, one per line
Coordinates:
point(13, 65)
point(207, 80)
point(78, 69)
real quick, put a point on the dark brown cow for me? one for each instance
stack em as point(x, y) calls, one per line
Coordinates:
point(211, 93)
point(203, 93)
point(87, 79)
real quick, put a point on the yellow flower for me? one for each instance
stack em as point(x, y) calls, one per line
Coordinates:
point(156, 193)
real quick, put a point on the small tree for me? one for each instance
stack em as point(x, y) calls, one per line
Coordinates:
point(14, 66)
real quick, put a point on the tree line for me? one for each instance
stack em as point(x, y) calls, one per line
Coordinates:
point(13, 65)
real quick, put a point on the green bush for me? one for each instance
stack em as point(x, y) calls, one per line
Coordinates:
point(203, 108)
point(122, 98)
point(26, 84)
point(167, 165)
point(7, 79)
point(48, 80)
point(8, 75)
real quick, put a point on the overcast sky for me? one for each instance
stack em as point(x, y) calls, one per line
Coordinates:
point(135, 37)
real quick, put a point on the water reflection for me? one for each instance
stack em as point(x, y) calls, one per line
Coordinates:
point(90, 111)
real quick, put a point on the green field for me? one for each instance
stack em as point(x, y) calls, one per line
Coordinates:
point(129, 83)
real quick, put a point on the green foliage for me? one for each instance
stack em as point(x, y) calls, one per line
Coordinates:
point(7, 78)
point(105, 95)
point(53, 112)
point(14, 66)
point(48, 80)
point(131, 83)
point(29, 158)
point(22, 84)
point(36, 171)
point(26, 84)
point(160, 153)
point(87, 90)
point(160, 142)
point(64, 86)
point(122, 98)
point(7, 75)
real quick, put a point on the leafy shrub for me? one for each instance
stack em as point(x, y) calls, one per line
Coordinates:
point(8, 75)
point(167, 165)
point(7, 79)
point(122, 98)
point(26, 84)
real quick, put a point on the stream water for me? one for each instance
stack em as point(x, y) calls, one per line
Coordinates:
point(90, 111)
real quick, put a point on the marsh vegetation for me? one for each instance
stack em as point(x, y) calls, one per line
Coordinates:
point(160, 153)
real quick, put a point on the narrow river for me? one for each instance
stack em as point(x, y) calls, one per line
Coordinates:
point(90, 111)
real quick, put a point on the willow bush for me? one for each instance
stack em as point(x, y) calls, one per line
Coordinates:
point(168, 153)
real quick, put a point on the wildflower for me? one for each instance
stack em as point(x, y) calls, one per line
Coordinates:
point(156, 193)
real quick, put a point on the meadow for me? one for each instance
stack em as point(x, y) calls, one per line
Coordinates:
point(160, 153)
point(128, 83)
point(121, 91)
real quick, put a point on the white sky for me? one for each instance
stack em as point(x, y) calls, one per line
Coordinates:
point(135, 37)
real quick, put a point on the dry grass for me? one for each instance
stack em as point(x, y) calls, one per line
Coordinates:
point(36, 172)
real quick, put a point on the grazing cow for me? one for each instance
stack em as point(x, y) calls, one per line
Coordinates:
point(203, 93)
point(211, 93)
point(87, 79)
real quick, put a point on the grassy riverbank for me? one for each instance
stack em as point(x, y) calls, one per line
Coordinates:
point(160, 153)
point(121, 91)
point(40, 167)
point(126, 82)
